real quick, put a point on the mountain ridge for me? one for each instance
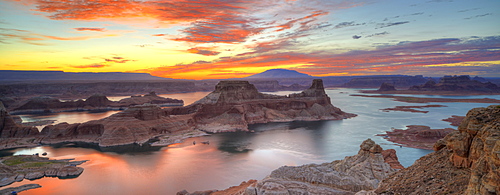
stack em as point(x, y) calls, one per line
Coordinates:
point(279, 73)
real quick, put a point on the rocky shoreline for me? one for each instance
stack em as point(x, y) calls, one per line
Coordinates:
point(232, 106)
point(363, 171)
point(463, 162)
point(416, 136)
point(44, 104)
point(32, 167)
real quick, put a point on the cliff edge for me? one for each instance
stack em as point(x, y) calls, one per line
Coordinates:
point(466, 161)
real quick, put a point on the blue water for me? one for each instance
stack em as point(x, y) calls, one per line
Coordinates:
point(231, 158)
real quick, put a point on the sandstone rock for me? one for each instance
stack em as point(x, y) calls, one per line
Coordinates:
point(17, 168)
point(10, 129)
point(457, 83)
point(417, 136)
point(98, 100)
point(386, 87)
point(466, 161)
point(235, 104)
point(354, 173)
point(391, 158)
point(19, 188)
point(34, 175)
point(230, 107)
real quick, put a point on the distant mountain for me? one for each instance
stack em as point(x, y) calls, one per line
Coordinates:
point(279, 73)
point(16, 75)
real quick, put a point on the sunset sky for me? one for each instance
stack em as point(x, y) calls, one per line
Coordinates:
point(186, 39)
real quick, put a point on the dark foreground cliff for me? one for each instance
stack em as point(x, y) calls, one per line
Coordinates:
point(466, 161)
point(230, 107)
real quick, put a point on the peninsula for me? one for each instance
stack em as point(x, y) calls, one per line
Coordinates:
point(232, 106)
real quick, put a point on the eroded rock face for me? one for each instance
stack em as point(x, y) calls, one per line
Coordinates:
point(235, 104)
point(386, 87)
point(10, 129)
point(354, 173)
point(456, 83)
point(16, 168)
point(96, 101)
point(466, 161)
point(230, 107)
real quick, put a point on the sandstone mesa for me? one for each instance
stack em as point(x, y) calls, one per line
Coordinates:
point(232, 106)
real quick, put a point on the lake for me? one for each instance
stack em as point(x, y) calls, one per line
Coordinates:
point(231, 158)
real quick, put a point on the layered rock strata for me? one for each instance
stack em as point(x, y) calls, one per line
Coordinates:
point(230, 107)
point(16, 168)
point(456, 83)
point(417, 136)
point(10, 129)
point(466, 161)
point(354, 173)
point(96, 101)
point(235, 104)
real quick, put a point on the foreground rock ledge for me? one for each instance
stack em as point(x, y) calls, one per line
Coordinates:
point(363, 171)
point(232, 106)
point(466, 161)
point(16, 168)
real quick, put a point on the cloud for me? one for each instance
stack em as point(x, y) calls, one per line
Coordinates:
point(91, 29)
point(32, 38)
point(222, 29)
point(347, 24)
point(203, 51)
point(304, 20)
point(384, 25)
point(119, 60)
point(104, 61)
point(402, 58)
point(356, 37)
point(78, 38)
point(378, 34)
point(478, 16)
point(90, 66)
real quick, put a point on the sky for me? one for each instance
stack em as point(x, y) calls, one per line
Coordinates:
point(220, 39)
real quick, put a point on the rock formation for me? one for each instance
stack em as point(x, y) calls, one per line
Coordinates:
point(457, 83)
point(230, 107)
point(386, 87)
point(10, 129)
point(466, 161)
point(16, 168)
point(235, 104)
point(417, 136)
point(354, 173)
point(96, 101)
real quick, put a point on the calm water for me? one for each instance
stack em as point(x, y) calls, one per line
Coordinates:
point(235, 157)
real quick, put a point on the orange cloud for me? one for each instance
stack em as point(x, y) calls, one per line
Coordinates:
point(399, 58)
point(206, 51)
point(90, 29)
point(302, 20)
point(91, 66)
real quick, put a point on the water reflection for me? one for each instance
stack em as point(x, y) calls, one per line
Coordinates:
point(231, 158)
